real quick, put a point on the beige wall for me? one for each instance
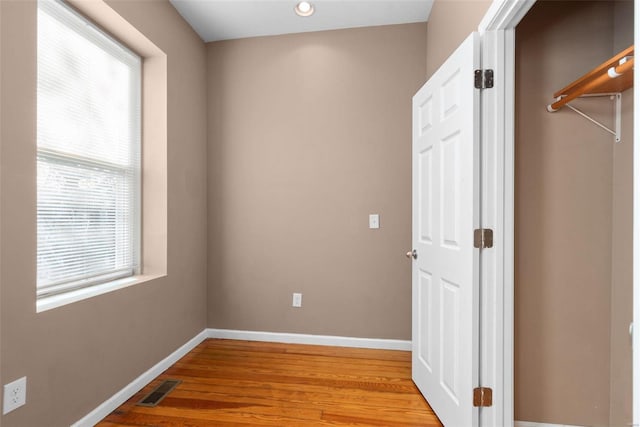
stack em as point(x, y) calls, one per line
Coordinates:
point(573, 221)
point(308, 135)
point(450, 22)
point(78, 355)
point(622, 241)
point(1, 97)
point(622, 272)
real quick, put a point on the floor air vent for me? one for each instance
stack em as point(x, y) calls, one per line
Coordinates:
point(159, 393)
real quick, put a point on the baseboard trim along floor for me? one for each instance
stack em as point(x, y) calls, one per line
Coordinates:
point(329, 340)
point(132, 388)
point(532, 424)
point(111, 404)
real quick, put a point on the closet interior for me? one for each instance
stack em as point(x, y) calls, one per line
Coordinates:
point(573, 213)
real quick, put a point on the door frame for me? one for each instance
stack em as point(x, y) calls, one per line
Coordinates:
point(636, 227)
point(497, 30)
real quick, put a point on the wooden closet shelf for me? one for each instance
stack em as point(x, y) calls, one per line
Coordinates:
point(612, 76)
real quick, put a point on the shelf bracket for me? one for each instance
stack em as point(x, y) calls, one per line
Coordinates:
point(617, 99)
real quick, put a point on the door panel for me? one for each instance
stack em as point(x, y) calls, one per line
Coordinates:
point(445, 213)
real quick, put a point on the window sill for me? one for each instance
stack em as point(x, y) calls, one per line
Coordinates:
point(54, 301)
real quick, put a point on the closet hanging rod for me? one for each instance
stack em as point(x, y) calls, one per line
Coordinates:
point(613, 75)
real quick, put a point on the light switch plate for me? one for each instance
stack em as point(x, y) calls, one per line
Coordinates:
point(374, 221)
point(297, 300)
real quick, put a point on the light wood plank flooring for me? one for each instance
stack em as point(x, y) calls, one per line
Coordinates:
point(244, 383)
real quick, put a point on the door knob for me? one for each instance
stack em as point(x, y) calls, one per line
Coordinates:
point(412, 254)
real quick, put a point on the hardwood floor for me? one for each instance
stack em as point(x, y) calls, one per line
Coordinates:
point(244, 383)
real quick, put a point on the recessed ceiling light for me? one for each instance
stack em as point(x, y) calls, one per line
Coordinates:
point(304, 8)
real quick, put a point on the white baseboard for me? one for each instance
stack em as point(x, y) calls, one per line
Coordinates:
point(374, 343)
point(136, 385)
point(532, 424)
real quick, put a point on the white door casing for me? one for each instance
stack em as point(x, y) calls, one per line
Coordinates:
point(635, 396)
point(497, 32)
point(445, 212)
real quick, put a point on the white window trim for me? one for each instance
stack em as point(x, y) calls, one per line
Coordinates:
point(86, 288)
point(58, 300)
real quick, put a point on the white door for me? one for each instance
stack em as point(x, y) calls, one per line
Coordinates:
point(445, 213)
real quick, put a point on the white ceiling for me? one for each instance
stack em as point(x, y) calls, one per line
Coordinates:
point(233, 19)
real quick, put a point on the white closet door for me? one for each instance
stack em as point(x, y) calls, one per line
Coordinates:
point(445, 213)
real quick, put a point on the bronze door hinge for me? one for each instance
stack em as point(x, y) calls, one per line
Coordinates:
point(483, 238)
point(482, 396)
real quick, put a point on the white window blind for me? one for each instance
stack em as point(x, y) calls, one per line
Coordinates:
point(88, 158)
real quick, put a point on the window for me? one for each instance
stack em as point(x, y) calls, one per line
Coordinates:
point(88, 153)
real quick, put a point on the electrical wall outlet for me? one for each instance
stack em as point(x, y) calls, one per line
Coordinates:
point(297, 300)
point(15, 395)
point(374, 221)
